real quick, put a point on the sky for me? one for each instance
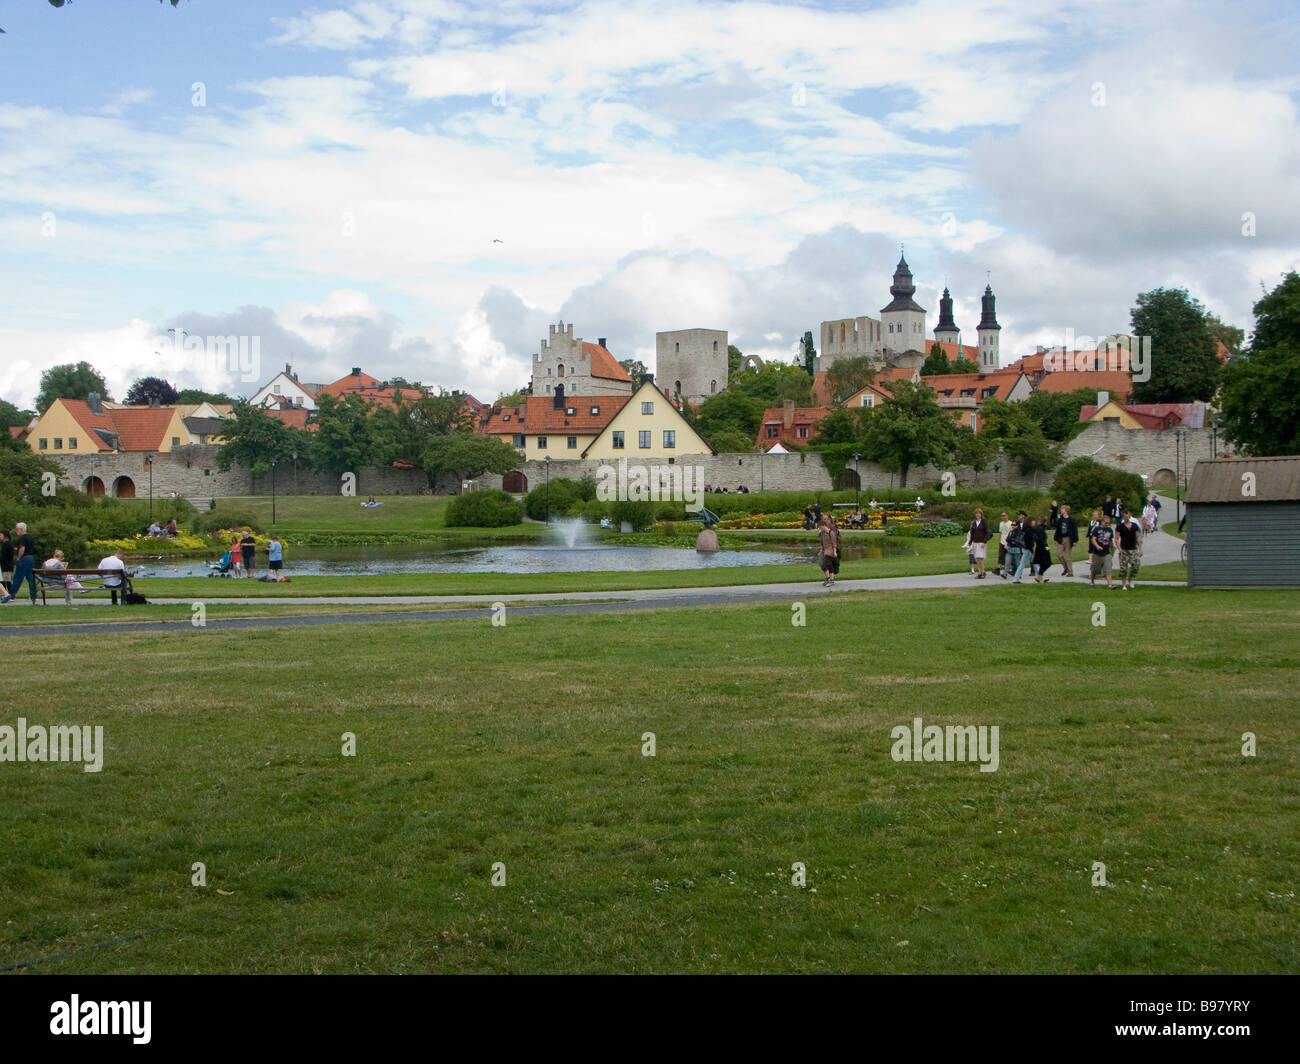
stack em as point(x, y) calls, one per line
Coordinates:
point(419, 187)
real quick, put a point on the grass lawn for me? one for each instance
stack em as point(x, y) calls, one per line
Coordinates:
point(523, 745)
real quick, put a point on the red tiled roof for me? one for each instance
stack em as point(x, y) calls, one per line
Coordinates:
point(956, 351)
point(138, 428)
point(603, 364)
point(955, 383)
point(351, 383)
point(538, 414)
point(821, 391)
point(804, 417)
point(1156, 415)
point(1221, 350)
point(1117, 382)
point(17, 430)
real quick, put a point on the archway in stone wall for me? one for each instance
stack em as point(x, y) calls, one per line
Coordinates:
point(848, 479)
point(514, 482)
point(94, 487)
point(1162, 478)
point(124, 488)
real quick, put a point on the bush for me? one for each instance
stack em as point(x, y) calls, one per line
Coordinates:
point(51, 534)
point(594, 511)
point(640, 515)
point(1084, 484)
point(565, 499)
point(219, 520)
point(926, 529)
point(484, 509)
point(586, 487)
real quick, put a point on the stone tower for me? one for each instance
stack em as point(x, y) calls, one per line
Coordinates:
point(903, 321)
point(691, 362)
point(946, 331)
point(988, 332)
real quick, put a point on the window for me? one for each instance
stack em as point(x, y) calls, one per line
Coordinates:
point(176, 441)
point(647, 408)
point(595, 410)
point(643, 439)
point(670, 438)
point(676, 348)
point(772, 431)
point(541, 443)
point(868, 400)
point(72, 443)
point(561, 373)
point(618, 441)
point(974, 422)
point(713, 387)
point(715, 346)
point(276, 389)
point(43, 444)
point(58, 443)
point(570, 411)
point(516, 440)
point(573, 443)
point(677, 387)
point(803, 432)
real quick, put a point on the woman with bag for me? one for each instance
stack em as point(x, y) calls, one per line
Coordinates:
point(829, 540)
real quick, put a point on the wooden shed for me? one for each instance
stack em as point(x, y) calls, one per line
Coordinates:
point(1243, 523)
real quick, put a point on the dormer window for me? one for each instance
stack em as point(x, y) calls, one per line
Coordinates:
point(505, 417)
point(570, 411)
point(595, 410)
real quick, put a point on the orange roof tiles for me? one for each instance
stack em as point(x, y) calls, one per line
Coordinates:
point(1117, 382)
point(603, 364)
point(538, 414)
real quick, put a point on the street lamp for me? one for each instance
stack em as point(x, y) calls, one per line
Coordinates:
point(1178, 475)
point(149, 462)
point(857, 484)
point(294, 456)
point(997, 467)
point(548, 489)
point(272, 491)
point(761, 482)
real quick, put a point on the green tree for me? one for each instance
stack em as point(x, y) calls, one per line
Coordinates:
point(70, 381)
point(636, 369)
point(1057, 413)
point(1260, 413)
point(809, 354)
point(255, 439)
point(22, 473)
point(343, 441)
point(729, 441)
point(936, 363)
point(729, 411)
point(11, 415)
point(734, 358)
point(1183, 364)
point(839, 426)
point(1010, 425)
point(1229, 335)
point(151, 388)
point(197, 395)
point(467, 455)
point(907, 429)
point(848, 375)
point(964, 365)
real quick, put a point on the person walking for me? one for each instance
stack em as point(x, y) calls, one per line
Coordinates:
point(1108, 508)
point(1099, 547)
point(1042, 558)
point(6, 562)
point(1065, 534)
point(1004, 526)
point(829, 541)
point(24, 564)
point(235, 554)
point(979, 536)
point(1129, 534)
point(1020, 546)
point(247, 548)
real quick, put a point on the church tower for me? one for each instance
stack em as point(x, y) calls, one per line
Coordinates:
point(988, 332)
point(946, 331)
point(903, 321)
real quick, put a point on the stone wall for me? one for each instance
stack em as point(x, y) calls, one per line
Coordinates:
point(1145, 451)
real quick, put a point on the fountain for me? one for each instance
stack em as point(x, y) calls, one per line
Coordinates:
point(573, 531)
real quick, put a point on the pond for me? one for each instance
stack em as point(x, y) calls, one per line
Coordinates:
point(561, 557)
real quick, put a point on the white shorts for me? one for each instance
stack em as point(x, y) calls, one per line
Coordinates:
point(979, 550)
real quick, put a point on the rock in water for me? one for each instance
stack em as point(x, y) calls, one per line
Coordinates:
point(707, 541)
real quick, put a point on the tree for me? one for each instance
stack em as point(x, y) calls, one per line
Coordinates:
point(1057, 413)
point(255, 439)
point(197, 395)
point(466, 454)
point(839, 426)
point(729, 441)
point(936, 363)
point(22, 473)
point(1011, 426)
point(70, 381)
point(964, 365)
point(1183, 363)
point(729, 411)
point(848, 375)
point(909, 428)
point(734, 358)
point(151, 388)
point(1230, 336)
point(1258, 401)
point(343, 441)
point(513, 399)
point(809, 354)
point(636, 369)
point(11, 415)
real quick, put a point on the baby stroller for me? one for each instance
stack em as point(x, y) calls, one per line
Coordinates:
point(222, 567)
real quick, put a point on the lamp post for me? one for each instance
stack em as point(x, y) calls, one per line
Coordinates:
point(857, 484)
point(997, 466)
point(294, 456)
point(273, 491)
point(548, 489)
point(1178, 475)
point(149, 462)
point(761, 482)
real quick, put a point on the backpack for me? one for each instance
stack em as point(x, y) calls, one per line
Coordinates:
point(134, 598)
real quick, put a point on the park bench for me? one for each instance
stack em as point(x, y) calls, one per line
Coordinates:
point(53, 580)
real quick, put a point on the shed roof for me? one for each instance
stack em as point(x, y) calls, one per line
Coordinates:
point(1224, 480)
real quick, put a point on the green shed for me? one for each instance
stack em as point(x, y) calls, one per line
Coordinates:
point(1243, 523)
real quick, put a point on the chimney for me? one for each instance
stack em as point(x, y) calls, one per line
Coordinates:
point(559, 397)
point(92, 401)
point(287, 369)
point(1102, 399)
point(153, 401)
point(787, 413)
point(601, 341)
point(356, 371)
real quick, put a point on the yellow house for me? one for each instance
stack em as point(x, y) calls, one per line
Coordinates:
point(647, 426)
point(555, 427)
point(80, 426)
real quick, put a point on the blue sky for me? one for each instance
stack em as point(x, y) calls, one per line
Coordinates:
point(338, 183)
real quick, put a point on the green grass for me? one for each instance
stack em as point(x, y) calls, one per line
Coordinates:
point(522, 745)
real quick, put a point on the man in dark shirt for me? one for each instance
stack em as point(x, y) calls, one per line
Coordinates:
point(247, 547)
point(6, 561)
point(24, 564)
point(1065, 535)
point(1129, 534)
point(1109, 508)
point(1099, 547)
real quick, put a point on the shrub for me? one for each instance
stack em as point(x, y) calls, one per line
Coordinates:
point(586, 487)
point(926, 529)
point(1084, 485)
point(565, 499)
point(640, 515)
point(219, 520)
point(51, 534)
point(484, 509)
point(594, 510)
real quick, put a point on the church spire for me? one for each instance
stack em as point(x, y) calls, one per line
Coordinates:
point(988, 317)
point(946, 324)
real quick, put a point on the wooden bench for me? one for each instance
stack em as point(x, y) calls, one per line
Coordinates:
point(54, 580)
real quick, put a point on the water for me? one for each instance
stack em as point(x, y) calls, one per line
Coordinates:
point(573, 552)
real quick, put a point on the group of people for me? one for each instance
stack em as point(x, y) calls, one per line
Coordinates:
point(243, 555)
point(710, 490)
point(155, 529)
point(18, 567)
point(1022, 544)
